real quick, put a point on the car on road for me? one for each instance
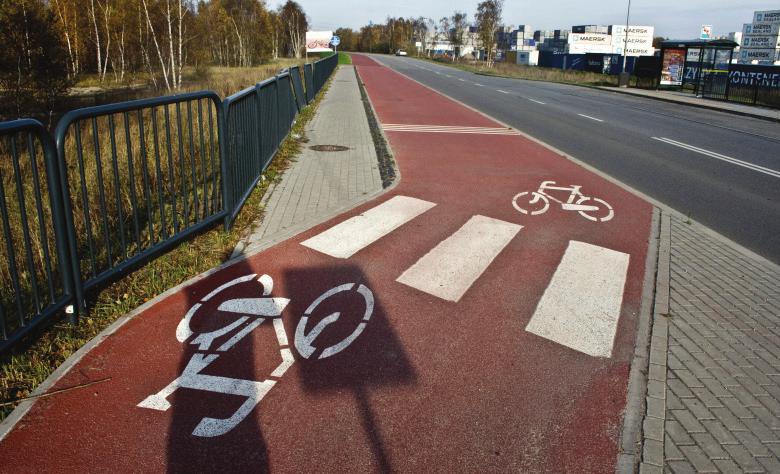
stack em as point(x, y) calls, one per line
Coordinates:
point(400, 52)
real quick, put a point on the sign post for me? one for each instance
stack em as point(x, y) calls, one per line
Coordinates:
point(335, 41)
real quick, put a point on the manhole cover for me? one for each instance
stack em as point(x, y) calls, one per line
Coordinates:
point(329, 148)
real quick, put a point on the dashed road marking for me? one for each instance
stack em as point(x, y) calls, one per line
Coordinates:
point(450, 268)
point(718, 156)
point(580, 308)
point(503, 92)
point(461, 79)
point(347, 238)
point(589, 117)
point(536, 101)
point(478, 84)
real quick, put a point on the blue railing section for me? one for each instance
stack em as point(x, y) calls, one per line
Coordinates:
point(120, 184)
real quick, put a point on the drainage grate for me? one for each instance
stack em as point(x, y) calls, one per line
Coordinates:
point(329, 148)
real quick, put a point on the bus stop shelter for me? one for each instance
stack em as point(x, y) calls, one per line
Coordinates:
point(688, 64)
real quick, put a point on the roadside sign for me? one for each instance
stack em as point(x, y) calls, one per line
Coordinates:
point(335, 41)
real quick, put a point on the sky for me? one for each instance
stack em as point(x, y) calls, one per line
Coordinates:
point(676, 19)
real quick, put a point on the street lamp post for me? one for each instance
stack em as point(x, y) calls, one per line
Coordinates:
point(624, 76)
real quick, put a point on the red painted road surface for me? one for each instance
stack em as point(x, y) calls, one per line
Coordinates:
point(429, 385)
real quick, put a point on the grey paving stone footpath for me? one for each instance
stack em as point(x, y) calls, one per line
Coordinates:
point(321, 183)
point(716, 349)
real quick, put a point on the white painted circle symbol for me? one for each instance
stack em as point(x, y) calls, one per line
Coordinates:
point(303, 341)
point(537, 204)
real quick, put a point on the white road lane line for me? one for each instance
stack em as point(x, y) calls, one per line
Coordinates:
point(589, 117)
point(536, 101)
point(718, 156)
point(448, 75)
point(580, 308)
point(478, 84)
point(347, 238)
point(503, 92)
point(450, 268)
point(461, 79)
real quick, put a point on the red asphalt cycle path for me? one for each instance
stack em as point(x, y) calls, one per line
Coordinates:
point(430, 385)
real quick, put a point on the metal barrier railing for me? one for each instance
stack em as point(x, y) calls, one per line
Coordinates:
point(35, 280)
point(125, 182)
point(308, 77)
point(297, 83)
point(322, 71)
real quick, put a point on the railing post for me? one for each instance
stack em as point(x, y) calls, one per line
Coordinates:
point(226, 164)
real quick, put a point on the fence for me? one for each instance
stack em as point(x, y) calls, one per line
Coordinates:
point(747, 84)
point(125, 182)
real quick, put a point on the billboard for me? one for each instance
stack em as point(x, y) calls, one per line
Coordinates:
point(639, 42)
point(672, 67)
point(706, 32)
point(767, 16)
point(760, 29)
point(766, 42)
point(318, 41)
point(762, 55)
point(583, 43)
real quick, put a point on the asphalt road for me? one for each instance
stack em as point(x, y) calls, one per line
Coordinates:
point(720, 169)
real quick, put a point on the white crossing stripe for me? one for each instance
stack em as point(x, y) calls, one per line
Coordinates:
point(347, 238)
point(718, 156)
point(397, 127)
point(580, 308)
point(450, 268)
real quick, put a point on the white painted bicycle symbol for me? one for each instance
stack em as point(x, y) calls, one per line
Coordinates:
point(262, 308)
point(538, 202)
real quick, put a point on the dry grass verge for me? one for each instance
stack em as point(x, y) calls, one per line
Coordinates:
point(21, 373)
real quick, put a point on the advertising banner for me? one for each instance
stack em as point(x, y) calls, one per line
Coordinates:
point(584, 43)
point(767, 16)
point(640, 40)
point(761, 76)
point(318, 41)
point(765, 42)
point(672, 67)
point(764, 55)
point(760, 29)
point(706, 32)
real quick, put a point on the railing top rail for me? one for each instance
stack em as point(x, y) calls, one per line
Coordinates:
point(11, 126)
point(239, 95)
point(266, 82)
point(283, 74)
point(99, 110)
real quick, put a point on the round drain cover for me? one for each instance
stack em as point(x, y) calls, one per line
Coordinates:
point(329, 148)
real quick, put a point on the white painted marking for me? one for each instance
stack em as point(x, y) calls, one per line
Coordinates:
point(303, 341)
point(536, 101)
point(478, 84)
point(580, 308)
point(448, 75)
point(191, 378)
point(450, 268)
point(718, 156)
point(281, 335)
point(449, 129)
point(503, 92)
point(437, 72)
point(589, 117)
point(461, 79)
point(241, 334)
point(266, 307)
point(347, 238)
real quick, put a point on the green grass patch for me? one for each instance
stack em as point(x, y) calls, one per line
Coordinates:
point(345, 58)
point(21, 373)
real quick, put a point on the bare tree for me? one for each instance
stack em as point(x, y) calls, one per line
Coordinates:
point(488, 19)
point(458, 27)
point(294, 24)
